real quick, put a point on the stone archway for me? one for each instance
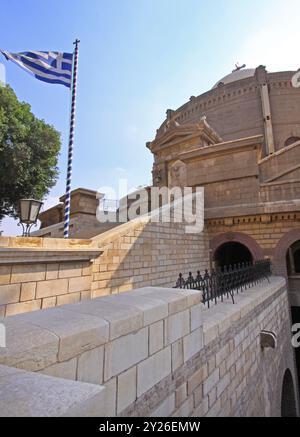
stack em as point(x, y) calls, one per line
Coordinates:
point(231, 253)
point(236, 237)
point(279, 260)
point(288, 397)
point(284, 256)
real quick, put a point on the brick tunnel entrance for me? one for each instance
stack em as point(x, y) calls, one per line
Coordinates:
point(232, 253)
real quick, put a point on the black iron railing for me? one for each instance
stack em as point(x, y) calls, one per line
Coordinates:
point(226, 282)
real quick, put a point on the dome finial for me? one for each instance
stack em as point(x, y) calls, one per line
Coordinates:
point(238, 67)
point(238, 74)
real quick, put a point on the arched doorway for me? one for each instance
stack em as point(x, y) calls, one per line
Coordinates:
point(293, 272)
point(286, 263)
point(232, 253)
point(288, 399)
point(293, 259)
point(282, 252)
point(253, 251)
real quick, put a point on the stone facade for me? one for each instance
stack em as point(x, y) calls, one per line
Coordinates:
point(234, 107)
point(151, 352)
point(158, 351)
point(241, 142)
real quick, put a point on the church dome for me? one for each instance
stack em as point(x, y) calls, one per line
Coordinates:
point(235, 76)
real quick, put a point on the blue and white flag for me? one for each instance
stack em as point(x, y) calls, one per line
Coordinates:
point(50, 67)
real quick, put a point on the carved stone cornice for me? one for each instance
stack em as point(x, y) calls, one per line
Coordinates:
point(37, 256)
point(224, 148)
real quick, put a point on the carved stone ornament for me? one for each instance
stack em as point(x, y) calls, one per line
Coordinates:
point(178, 174)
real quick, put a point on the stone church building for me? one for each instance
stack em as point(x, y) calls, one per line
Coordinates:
point(241, 142)
point(144, 348)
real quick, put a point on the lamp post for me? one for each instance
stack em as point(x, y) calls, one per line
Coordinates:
point(29, 210)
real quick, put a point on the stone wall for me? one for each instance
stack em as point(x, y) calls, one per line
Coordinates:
point(283, 162)
point(232, 193)
point(141, 253)
point(279, 175)
point(226, 373)
point(157, 352)
point(81, 226)
point(228, 172)
point(221, 165)
point(32, 287)
point(38, 273)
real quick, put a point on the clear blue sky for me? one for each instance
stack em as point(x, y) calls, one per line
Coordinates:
point(138, 58)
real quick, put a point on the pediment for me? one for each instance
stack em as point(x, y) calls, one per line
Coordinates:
point(174, 133)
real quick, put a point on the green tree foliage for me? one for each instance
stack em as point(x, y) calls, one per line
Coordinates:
point(29, 151)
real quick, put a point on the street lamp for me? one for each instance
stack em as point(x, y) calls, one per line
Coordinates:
point(29, 210)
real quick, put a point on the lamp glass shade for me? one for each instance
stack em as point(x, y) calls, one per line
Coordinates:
point(34, 211)
point(24, 210)
point(29, 210)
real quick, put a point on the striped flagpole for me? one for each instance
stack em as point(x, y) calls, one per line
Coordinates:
point(71, 141)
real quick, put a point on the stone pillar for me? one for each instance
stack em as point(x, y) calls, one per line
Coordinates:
point(170, 113)
point(262, 79)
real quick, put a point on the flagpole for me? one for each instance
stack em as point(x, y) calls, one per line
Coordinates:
point(71, 141)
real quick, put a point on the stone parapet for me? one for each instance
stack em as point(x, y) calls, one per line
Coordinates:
point(39, 273)
point(159, 352)
point(104, 342)
point(22, 392)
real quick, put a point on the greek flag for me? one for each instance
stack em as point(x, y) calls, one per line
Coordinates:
point(50, 67)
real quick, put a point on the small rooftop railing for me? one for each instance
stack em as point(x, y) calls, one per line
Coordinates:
point(109, 205)
point(226, 282)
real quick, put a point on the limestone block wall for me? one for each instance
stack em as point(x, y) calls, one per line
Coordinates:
point(232, 192)
point(157, 352)
point(280, 190)
point(219, 167)
point(30, 287)
point(38, 273)
point(81, 226)
point(141, 253)
point(281, 163)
